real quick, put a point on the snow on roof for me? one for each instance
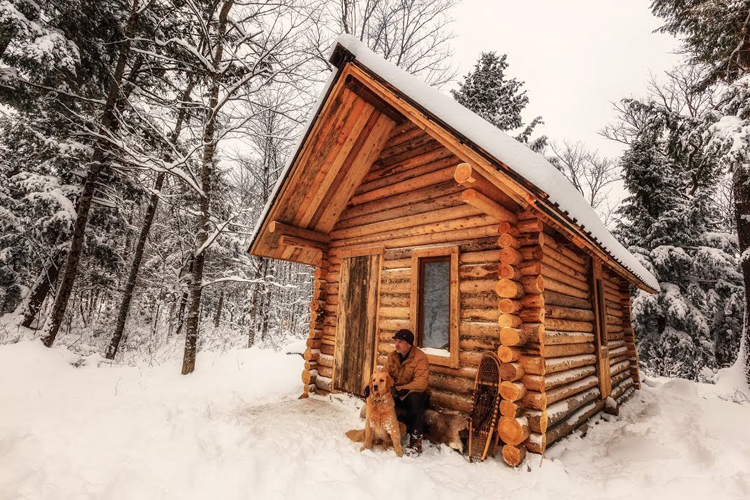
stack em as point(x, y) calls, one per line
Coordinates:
point(517, 156)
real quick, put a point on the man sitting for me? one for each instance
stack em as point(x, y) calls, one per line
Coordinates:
point(410, 370)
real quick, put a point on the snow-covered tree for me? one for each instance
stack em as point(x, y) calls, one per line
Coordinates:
point(716, 35)
point(488, 92)
point(670, 220)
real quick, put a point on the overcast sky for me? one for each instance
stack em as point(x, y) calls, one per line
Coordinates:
point(575, 57)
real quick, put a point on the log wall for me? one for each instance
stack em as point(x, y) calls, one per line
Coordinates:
point(411, 199)
point(524, 292)
point(563, 387)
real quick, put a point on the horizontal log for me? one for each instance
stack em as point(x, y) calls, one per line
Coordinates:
point(508, 240)
point(394, 312)
point(326, 360)
point(508, 320)
point(325, 371)
point(543, 383)
point(512, 391)
point(535, 400)
point(561, 312)
point(479, 257)
point(551, 273)
point(308, 376)
point(531, 239)
point(405, 186)
point(451, 400)
point(311, 354)
point(283, 229)
point(396, 287)
point(539, 366)
point(556, 286)
point(509, 289)
point(530, 226)
point(536, 443)
point(470, 178)
point(468, 271)
point(477, 286)
point(474, 314)
point(514, 455)
point(552, 254)
point(533, 301)
point(324, 383)
point(511, 372)
point(508, 354)
point(394, 324)
point(574, 422)
point(507, 227)
point(512, 337)
point(327, 349)
point(394, 300)
point(481, 300)
point(483, 203)
point(511, 256)
point(470, 358)
point(463, 372)
point(536, 315)
point(409, 221)
point(398, 274)
point(619, 367)
point(553, 298)
point(556, 351)
point(568, 390)
point(562, 247)
point(451, 384)
point(508, 272)
point(569, 325)
point(510, 408)
point(531, 254)
point(509, 306)
point(479, 329)
point(554, 337)
point(513, 431)
point(293, 241)
point(533, 284)
point(564, 409)
point(478, 344)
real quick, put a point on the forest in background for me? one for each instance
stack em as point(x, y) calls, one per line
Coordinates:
point(141, 140)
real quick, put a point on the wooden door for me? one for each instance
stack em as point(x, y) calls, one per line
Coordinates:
point(356, 326)
point(600, 329)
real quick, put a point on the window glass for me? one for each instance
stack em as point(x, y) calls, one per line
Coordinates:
point(436, 303)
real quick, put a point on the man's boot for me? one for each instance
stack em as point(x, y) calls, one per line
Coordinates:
point(415, 443)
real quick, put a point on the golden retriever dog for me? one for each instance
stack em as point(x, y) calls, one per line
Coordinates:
point(381, 425)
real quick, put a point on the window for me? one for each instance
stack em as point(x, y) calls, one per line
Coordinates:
point(434, 303)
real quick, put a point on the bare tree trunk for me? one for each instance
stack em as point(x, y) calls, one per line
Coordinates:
point(741, 184)
point(89, 186)
point(209, 147)
point(41, 288)
point(127, 295)
point(217, 316)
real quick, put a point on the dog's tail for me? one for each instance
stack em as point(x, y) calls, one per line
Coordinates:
point(356, 435)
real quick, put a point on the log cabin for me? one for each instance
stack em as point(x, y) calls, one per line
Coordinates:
point(416, 213)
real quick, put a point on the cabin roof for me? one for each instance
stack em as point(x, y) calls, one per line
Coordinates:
point(529, 169)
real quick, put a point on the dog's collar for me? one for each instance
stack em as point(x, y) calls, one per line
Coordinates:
point(380, 399)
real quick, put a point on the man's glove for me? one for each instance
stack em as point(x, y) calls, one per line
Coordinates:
point(399, 393)
point(366, 393)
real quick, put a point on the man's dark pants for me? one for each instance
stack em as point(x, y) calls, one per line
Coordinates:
point(410, 411)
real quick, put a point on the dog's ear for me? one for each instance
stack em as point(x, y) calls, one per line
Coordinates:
point(390, 380)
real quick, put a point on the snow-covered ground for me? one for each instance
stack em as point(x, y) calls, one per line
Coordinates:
point(235, 429)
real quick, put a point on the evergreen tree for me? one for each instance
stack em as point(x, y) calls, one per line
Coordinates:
point(716, 34)
point(668, 221)
point(500, 100)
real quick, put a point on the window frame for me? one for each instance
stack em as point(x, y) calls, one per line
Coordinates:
point(417, 256)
